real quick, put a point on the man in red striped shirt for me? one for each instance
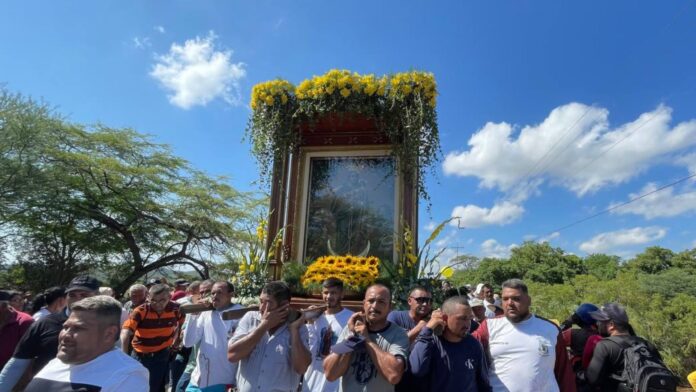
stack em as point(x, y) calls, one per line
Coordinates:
point(152, 329)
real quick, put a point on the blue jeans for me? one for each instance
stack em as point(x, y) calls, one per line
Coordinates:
point(183, 382)
point(157, 364)
point(177, 366)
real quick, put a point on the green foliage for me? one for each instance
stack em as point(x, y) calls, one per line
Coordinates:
point(75, 197)
point(602, 266)
point(653, 260)
point(667, 321)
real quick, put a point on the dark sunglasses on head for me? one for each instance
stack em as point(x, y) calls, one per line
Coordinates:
point(423, 300)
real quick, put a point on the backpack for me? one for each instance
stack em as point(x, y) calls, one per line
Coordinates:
point(643, 369)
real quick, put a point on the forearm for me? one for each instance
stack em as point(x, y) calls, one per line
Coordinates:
point(413, 333)
point(336, 365)
point(12, 372)
point(299, 355)
point(420, 356)
point(190, 333)
point(241, 348)
point(388, 365)
point(126, 337)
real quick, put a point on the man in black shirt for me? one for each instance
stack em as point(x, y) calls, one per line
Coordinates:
point(607, 359)
point(40, 342)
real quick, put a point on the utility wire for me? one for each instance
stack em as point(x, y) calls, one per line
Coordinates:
point(623, 204)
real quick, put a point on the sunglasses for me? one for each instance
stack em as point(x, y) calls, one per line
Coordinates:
point(422, 300)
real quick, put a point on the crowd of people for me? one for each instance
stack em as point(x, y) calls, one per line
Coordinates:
point(81, 338)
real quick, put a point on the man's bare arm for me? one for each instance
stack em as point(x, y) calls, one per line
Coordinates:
point(336, 365)
point(126, 338)
point(390, 366)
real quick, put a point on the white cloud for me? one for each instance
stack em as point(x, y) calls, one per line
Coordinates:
point(160, 29)
point(492, 248)
point(141, 43)
point(430, 226)
point(663, 203)
point(471, 216)
point(195, 73)
point(615, 240)
point(574, 146)
point(549, 237)
point(688, 160)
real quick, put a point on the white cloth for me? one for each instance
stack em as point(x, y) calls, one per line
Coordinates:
point(268, 367)
point(112, 371)
point(42, 312)
point(212, 333)
point(327, 325)
point(524, 355)
point(489, 313)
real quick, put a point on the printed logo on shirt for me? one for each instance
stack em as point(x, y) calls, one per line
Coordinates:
point(328, 339)
point(544, 346)
point(363, 368)
point(469, 364)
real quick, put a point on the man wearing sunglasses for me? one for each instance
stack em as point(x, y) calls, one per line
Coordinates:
point(413, 321)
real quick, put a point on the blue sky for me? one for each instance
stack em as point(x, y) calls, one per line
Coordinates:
point(549, 111)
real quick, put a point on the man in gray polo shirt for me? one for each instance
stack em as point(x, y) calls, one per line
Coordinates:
point(271, 352)
point(371, 352)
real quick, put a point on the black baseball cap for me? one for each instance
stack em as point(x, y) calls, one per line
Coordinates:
point(611, 312)
point(83, 282)
point(181, 282)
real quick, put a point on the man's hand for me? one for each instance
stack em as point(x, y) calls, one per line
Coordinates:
point(359, 326)
point(272, 318)
point(436, 320)
point(357, 318)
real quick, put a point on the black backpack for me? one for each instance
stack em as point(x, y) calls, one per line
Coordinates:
point(643, 369)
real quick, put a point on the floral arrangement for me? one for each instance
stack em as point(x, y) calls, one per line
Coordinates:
point(252, 262)
point(402, 106)
point(413, 267)
point(355, 272)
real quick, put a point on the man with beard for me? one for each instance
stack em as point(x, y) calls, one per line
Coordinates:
point(40, 343)
point(271, 350)
point(371, 352)
point(413, 321)
point(453, 362)
point(323, 333)
point(87, 359)
point(208, 330)
point(607, 364)
point(526, 352)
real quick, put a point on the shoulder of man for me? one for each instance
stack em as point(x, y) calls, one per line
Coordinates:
point(549, 322)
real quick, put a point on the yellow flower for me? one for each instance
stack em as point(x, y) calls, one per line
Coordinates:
point(269, 100)
point(284, 99)
point(242, 267)
point(345, 92)
point(252, 267)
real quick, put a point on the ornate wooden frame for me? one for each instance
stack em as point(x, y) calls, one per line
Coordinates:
point(328, 133)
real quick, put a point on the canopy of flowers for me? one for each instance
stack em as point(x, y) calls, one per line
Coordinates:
point(402, 106)
point(355, 272)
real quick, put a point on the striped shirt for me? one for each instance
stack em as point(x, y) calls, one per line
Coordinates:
point(154, 332)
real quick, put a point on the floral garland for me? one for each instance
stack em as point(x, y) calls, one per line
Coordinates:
point(355, 272)
point(402, 105)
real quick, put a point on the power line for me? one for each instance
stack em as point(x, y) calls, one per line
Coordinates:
point(623, 204)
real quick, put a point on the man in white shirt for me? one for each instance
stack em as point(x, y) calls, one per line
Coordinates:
point(87, 359)
point(212, 372)
point(323, 334)
point(272, 352)
point(526, 352)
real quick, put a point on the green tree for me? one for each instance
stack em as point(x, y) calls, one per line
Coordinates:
point(111, 197)
point(653, 260)
point(540, 262)
point(602, 266)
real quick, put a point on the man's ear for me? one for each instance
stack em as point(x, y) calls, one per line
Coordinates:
point(444, 317)
point(112, 333)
